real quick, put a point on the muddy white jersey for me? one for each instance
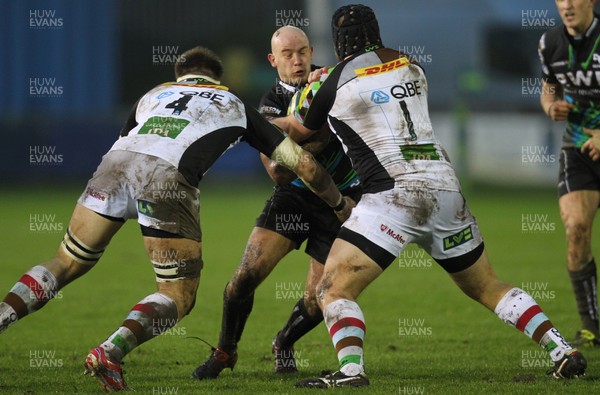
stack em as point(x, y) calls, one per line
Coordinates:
point(190, 125)
point(376, 103)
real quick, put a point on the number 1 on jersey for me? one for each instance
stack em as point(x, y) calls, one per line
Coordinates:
point(409, 122)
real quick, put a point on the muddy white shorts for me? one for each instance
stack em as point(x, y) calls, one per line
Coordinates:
point(440, 222)
point(133, 185)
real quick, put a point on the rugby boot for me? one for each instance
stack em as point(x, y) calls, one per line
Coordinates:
point(284, 358)
point(336, 379)
point(571, 366)
point(217, 362)
point(108, 372)
point(585, 338)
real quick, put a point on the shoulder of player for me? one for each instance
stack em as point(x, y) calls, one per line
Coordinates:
point(553, 38)
point(349, 69)
point(157, 88)
point(275, 102)
point(272, 101)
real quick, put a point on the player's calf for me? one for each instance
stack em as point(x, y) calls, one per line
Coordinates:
point(179, 280)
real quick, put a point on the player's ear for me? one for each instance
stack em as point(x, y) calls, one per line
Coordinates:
point(312, 50)
point(271, 59)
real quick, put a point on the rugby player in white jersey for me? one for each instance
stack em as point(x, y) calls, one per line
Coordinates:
point(272, 237)
point(375, 101)
point(174, 134)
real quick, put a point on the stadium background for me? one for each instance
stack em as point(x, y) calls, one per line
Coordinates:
point(69, 77)
point(70, 71)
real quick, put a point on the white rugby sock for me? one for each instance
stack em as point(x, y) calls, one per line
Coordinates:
point(149, 318)
point(346, 325)
point(518, 309)
point(8, 316)
point(36, 287)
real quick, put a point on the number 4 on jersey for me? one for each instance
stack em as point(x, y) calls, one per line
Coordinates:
point(179, 105)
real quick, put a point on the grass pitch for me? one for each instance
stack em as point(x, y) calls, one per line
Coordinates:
point(423, 334)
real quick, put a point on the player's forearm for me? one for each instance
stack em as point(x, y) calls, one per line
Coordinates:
point(318, 141)
point(317, 179)
point(279, 174)
point(293, 128)
point(282, 123)
point(310, 171)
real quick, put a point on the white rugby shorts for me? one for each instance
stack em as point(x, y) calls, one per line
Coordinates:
point(438, 221)
point(132, 185)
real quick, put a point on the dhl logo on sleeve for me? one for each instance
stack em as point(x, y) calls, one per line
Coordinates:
point(382, 68)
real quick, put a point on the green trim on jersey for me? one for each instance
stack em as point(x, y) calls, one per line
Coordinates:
point(585, 64)
point(331, 163)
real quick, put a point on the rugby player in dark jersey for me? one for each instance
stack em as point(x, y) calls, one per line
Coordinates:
point(174, 134)
point(570, 56)
point(291, 216)
point(375, 101)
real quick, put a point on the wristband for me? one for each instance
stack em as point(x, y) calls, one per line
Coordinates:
point(341, 205)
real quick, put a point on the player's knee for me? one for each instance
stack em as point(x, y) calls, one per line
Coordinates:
point(323, 291)
point(578, 229)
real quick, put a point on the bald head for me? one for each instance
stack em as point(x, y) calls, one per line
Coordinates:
point(291, 54)
point(285, 34)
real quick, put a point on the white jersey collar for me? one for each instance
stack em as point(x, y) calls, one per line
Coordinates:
point(289, 87)
point(190, 76)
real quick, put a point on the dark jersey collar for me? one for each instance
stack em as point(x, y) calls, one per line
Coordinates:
point(294, 88)
point(588, 32)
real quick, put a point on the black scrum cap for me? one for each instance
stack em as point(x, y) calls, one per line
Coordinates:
point(354, 27)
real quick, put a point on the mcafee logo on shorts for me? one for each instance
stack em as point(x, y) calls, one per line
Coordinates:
point(390, 232)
